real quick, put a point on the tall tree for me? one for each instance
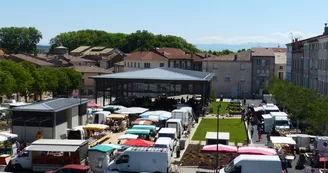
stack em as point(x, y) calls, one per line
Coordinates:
point(19, 39)
point(7, 84)
point(74, 77)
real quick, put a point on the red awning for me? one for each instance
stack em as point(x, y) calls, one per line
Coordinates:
point(139, 143)
point(221, 148)
point(93, 105)
point(257, 151)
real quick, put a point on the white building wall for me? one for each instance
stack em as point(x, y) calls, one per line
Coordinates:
point(61, 131)
point(130, 65)
point(30, 133)
point(75, 116)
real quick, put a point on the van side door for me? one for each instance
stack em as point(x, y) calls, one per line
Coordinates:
point(25, 159)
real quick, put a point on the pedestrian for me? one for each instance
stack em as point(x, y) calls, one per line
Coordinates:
point(242, 118)
point(268, 137)
point(252, 132)
point(260, 133)
point(253, 96)
point(244, 101)
point(284, 164)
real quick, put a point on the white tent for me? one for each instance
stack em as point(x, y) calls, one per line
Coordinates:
point(127, 137)
point(282, 140)
point(132, 110)
point(8, 135)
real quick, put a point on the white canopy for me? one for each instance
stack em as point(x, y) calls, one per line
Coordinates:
point(157, 113)
point(8, 135)
point(256, 109)
point(3, 138)
point(282, 140)
point(127, 137)
point(132, 110)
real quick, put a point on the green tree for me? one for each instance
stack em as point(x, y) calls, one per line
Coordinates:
point(19, 39)
point(7, 84)
point(64, 82)
point(241, 50)
point(74, 77)
point(213, 95)
point(23, 78)
point(49, 75)
point(226, 52)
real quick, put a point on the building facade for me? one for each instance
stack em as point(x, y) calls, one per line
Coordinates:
point(233, 74)
point(289, 62)
point(280, 62)
point(263, 66)
point(144, 60)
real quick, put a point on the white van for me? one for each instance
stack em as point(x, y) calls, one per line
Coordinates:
point(165, 142)
point(181, 114)
point(142, 159)
point(99, 117)
point(251, 164)
point(170, 133)
point(281, 120)
point(175, 123)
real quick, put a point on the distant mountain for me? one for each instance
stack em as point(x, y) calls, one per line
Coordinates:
point(235, 47)
point(43, 48)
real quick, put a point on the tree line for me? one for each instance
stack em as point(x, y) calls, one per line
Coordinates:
point(25, 39)
point(25, 78)
point(305, 106)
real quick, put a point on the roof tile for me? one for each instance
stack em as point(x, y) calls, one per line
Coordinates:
point(173, 53)
point(23, 57)
point(145, 56)
point(262, 51)
point(91, 69)
point(241, 56)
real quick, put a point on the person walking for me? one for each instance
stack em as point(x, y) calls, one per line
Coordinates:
point(252, 132)
point(253, 96)
point(284, 165)
point(260, 133)
point(268, 137)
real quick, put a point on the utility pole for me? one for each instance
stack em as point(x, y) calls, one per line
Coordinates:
point(217, 139)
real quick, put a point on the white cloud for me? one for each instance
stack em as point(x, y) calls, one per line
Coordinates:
point(277, 37)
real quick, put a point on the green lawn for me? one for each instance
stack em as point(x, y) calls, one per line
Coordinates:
point(233, 126)
point(223, 110)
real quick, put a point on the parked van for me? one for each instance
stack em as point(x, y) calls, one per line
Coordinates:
point(165, 142)
point(170, 133)
point(153, 160)
point(100, 117)
point(251, 164)
point(175, 123)
point(181, 114)
point(281, 120)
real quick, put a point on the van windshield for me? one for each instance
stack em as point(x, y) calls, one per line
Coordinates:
point(282, 123)
point(172, 125)
point(172, 136)
point(229, 167)
point(74, 134)
point(160, 146)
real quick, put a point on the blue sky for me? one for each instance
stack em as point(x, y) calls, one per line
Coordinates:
point(205, 21)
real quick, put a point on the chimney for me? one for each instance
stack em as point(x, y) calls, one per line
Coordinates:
point(235, 59)
point(325, 30)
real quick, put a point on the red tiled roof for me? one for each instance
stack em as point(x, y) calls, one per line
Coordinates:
point(22, 57)
point(197, 58)
point(279, 50)
point(262, 51)
point(145, 56)
point(241, 56)
point(173, 53)
point(91, 69)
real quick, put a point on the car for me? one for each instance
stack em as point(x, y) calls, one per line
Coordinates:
point(72, 168)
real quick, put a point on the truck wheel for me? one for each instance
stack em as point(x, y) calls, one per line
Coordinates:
point(18, 168)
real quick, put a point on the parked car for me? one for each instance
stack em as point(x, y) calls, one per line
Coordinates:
point(73, 168)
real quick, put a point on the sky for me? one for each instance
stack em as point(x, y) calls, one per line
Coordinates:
point(199, 22)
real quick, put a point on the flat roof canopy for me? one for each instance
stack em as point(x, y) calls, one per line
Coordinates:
point(162, 73)
point(55, 148)
point(213, 135)
point(52, 142)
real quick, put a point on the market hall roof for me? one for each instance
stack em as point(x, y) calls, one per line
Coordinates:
point(162, 73)
point(53, 105)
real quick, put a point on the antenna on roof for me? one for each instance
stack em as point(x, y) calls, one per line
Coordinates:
point(291, 36)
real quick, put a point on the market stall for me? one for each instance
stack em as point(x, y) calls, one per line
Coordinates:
point(117, 122)
point(96, 133)
point(284, 146)
point(139, 143)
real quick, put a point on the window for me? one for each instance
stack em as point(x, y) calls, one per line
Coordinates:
point(281, 67)
point(82, 74)
point(82, 80)
point(124, 64)
point(123, 159)
point(161, 64)
point(281, 75)
point(138, 64)
point(258, 71)
point(135, 64)
point(146, 65)
point(242, 78)
point(227, 78)
point(215, 66)
point(268, 62)
point(215, 78)
point(242, 66)
point(258, 62)
point(263, 62)
point(99, 73)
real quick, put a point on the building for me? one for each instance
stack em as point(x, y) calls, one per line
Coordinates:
point(289, 62)
point(109, 61)
point(29, 58)
point(309, 62)
point(280, 62)
point(86, 72)
point(233, 74)
point(177, 58)
point(80, 50)
point(142, 60)
point(49, 119)
point(119, 67)
point(263, 66)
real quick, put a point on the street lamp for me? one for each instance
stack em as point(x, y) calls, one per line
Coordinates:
point(217, 138)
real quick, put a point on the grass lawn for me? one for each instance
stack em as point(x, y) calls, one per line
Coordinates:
point(233, 126)
point(223, 110)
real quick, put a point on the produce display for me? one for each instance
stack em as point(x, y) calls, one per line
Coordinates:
point(234, 108)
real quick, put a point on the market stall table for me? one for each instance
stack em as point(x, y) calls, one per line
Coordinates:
point(283, 144)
